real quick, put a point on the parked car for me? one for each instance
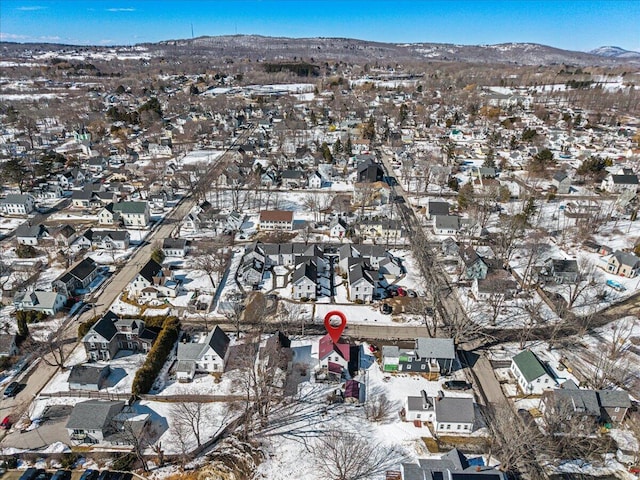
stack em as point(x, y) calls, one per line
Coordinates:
point(12, 389)
point(386, 309)
point(402, 292)
point(29, 474)
point(90, 475)
point(42, 475)
point(62, 475)
point(6, 423)
point(456, 385)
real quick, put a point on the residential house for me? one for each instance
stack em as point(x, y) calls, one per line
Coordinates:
point(48, 303)
point(362, 283)
point(620, 183)
point(108, 239)
point(333, 358)
point(569, 405)
point(453, 465)
point(369, 170)
point(111, 334)
point(88, 377)
point(209, 356)
point(104, 421)
point(532, 375)
point(448, 415)
point(446, 224)
point(429, 355)
point(8, 346)
point(153, 281)
point(437, 207)
point(625, 264)
point(305, 281)
point(371, 193)
point(473, 266)
point(27, 234)
point(293, 179)
point(276, 220)
point(78, 277)
point(562, 271)
point(450, 247)
point(496, 286)
point(65, 236)
point(380, 228)
point(14, 204)
point(92, 421)
point(614, 405)
point(174, 247)
point(562, 182)
point(130, 214)
point(338, 228)
point(314, 181)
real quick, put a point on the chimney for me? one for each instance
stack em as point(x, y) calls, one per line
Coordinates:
point(426, 403)
point(440, 395)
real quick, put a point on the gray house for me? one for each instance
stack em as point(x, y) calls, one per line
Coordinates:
point(430, 355)
point(209, 356)
point(563, 271)
point(88, 377)
point(453, 465)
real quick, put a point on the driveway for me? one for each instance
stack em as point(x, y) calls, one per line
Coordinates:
point(50, 431)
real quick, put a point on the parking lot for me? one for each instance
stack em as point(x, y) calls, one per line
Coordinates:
point(51, 430)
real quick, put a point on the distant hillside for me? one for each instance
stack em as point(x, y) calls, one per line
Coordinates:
point(255, 47)
point(616, 52)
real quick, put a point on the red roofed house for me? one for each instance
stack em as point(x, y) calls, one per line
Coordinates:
point(276, 220)
point(334, 357)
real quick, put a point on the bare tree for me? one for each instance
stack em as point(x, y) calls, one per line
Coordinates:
point(424, 309)
point(340, 455)
point(191, 415)
point(379, 408)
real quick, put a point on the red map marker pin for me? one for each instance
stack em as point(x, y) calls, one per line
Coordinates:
point(335, 331)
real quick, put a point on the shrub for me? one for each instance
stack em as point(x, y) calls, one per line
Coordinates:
point(68, 460)
point(124, 462)
point(157, 356)
point(84, 327)
point(26, 251)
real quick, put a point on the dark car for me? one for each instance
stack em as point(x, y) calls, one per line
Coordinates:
point(402, 292)
point(89, 475)
point(456, 385)
point(29, 474)
point(104, 475)
point(12, 390)
point(6, 423)
point(386, 309)
point(62, 475)
point(42, 475)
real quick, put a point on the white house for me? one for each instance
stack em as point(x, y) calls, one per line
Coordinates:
point(305, 281)
point(209, 356)
point(14, 204)
point(361, 285)
point(276, 220)
point(338, 228)
point(334, 357)
point(131, 214)
point(446, 224)
point(620, 183)
point(449, 415)
point(314, 181)
point(532, 375)
point(174, 247)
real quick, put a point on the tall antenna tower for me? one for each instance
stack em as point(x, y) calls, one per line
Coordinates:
point(192, 31)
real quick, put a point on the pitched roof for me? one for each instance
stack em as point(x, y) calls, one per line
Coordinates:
point(130, 207)
point(87, 374)
point(625, 179)
point(150, 270)
point(454, 409)
point(276, 216)
point(437, 207)
point(84, 268)
point(218, 341)
point(326, 347)
point(613, 398)
point(106, 326)
point(93, 414)
point(14, 198)
point(584, 401)
point(435, 347)
point(179, 243)
point(529, 365)
point(626, 258)
point(450, 222)
point(305, 270)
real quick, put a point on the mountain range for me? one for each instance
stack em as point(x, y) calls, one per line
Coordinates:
point(256, 47)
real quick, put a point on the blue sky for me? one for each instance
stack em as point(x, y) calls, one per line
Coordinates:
point(575, 25)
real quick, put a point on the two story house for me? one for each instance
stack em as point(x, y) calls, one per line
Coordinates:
point(305, 281)
point(449, 415)
point(533, 376)
point(130, 214)
point(111, 334)
point(362, 284)
point(48, 303)
point(154, 281)
point(208, 356)
point(15, 204)
point(625, 264)
point(78, 277)
point(276, 220)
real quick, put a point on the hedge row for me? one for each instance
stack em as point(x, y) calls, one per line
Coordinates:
point(84, 327)
point(157, 356)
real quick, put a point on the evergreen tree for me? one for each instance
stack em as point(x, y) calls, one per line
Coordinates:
point(337, 147)
point(348, 148)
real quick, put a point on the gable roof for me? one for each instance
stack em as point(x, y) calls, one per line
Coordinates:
point(326, 347)
point(305, 270)
point(84, 268)
point(130, 207)
point(625, 179)
point(276, 216)
point(626, 258)
point(454, 409)
point(93, 414)
point(14, 198)
point(218, 341)
point(435, 347)
point(529, 365)
point(106, 326)
point(87, 374)
point(150, 270)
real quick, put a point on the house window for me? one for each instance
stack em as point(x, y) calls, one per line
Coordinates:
point(105, 345)
point(617, 409)
point(418, 415)
point(448, 426)
point(408, 367)
point(458, 427)
point(423, 366)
